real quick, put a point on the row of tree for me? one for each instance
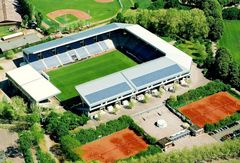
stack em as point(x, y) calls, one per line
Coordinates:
point(223, 67)
point(226, 150)
point(198, 93)
point(28, 14)
point(222, 2)
point(188, 24)
point(222, 123)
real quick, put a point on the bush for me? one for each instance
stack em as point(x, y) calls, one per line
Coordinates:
point(59, 124)
point(68, 145)
point(9, 54)
point(44, 157)
point(232, 13)
point(25, 143)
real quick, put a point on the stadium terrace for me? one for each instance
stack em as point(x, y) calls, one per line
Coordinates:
point(159, 63)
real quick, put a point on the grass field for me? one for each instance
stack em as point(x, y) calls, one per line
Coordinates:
point(98, 11)
point(66, 78)
point(193, 49)
point(65, 19)
point(4, 31)
point(231, 38)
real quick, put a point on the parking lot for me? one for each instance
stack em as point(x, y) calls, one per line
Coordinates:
point(147, 121)
point(191, 141)
point(220, 134)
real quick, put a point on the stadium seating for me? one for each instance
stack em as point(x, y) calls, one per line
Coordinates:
point(103, 46)
point(82, 53)
point(65, 58)
point(38, 65)
point(74, 55)
point(109, 44)
point(52, 62)
point(94, 49)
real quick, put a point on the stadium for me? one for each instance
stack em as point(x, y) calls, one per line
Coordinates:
point(103, 66)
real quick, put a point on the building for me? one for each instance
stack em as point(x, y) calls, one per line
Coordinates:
point(159, 63)
point(165, 143)
point(8, 13)
point(32, 84)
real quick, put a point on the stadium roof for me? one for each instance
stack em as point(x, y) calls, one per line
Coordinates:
point(171, 52)
point(153, 72)
point(73, 38)
point(32, 83)
point(104, 89)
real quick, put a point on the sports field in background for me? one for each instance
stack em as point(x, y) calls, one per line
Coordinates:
point(67, 77)
point(231, 38)
point(65, 19)
point(97, 11)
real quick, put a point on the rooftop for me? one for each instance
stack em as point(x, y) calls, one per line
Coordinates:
point(73, 38)
point(32, 83)
point(8, 11)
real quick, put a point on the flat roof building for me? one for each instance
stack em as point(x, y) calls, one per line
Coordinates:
point(32, 84)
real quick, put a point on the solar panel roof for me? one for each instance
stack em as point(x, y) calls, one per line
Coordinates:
point(156, 75)
point(108, 92)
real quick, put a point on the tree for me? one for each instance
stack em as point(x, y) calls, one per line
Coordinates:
point(33, 118)
point(37, 133)
point(8, 113)
point(19, 106)
point(39, 18)
point(136, 5)
point(222, 62)
point(171, 4)
point(213, 12)
point(158, 4)
point(68, 146)
point(25, 20)
point(234, 75)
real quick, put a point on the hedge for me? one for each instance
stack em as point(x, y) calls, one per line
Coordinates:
point(44, 157)
point(198, 93)
point(226, 121)
point(232, 13)
point(87, 135)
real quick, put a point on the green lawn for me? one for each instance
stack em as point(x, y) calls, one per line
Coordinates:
point(193, 49)
point(4, 31)
point(65, 19)
point(66, 78)
point(231, 38)
point(98, 11)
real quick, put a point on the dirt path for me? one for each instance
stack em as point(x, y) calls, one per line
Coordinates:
point(49, 143)
point(214, 48)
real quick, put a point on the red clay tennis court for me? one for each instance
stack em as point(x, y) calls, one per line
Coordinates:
point(119, 145)
point(211, 109)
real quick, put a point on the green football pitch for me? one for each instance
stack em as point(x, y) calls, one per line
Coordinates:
point(67, 77)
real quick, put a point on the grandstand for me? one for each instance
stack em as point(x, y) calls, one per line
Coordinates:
point(159, 63)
